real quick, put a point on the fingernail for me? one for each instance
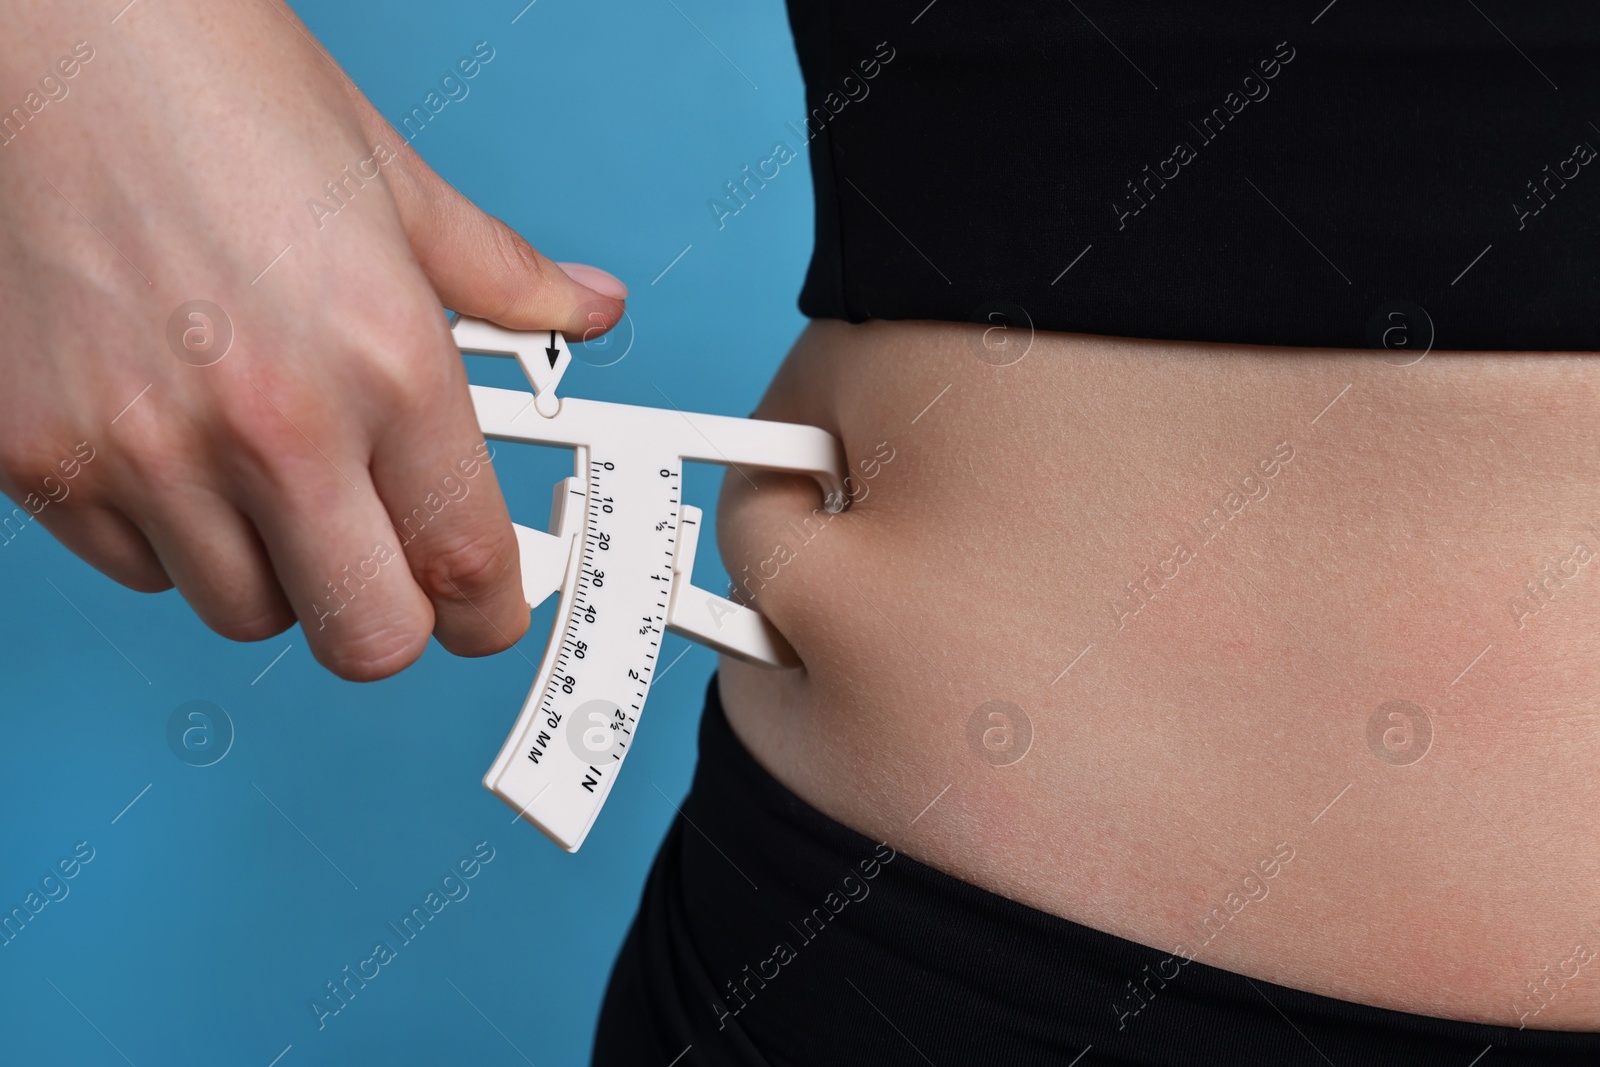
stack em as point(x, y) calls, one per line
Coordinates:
point(596, 279)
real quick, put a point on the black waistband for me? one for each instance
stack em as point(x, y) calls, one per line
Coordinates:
point(770, 934)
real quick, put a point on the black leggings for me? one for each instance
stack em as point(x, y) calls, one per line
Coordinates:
point(769, 934)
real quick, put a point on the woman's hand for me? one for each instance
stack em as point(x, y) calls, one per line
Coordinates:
point(302, 444)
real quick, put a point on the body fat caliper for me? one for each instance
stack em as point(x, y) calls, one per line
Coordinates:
point(619, 556)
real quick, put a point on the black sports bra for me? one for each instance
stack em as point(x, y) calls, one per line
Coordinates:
point(1349, 174)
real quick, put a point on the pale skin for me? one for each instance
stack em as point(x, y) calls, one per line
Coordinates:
point(176, 169)
point(1422, 545)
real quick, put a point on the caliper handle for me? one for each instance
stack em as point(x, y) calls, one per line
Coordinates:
point(545, 555)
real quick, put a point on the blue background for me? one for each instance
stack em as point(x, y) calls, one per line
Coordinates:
point(207, 922)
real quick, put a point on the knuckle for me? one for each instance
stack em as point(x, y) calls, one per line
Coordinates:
point(262, 449)
point(156, 464)
point(251, 426)
point(18, 468)
point(251, 622)
point(26, 464)
point(373, 654)
point(141, 577)
point(401, 367)
point(467, 566)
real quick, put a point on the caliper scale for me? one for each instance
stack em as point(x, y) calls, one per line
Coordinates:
point(619, 556)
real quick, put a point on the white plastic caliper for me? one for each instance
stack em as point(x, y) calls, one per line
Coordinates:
point(620, 557)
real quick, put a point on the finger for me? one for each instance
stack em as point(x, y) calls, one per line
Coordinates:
point(479, 266)
point(110, 543)
point(337, 559)
point(214, 556)
point(432, 470)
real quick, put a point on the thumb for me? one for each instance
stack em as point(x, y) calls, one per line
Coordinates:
point(481, 267)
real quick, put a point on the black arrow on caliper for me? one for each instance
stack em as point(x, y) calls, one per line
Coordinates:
point(553, 352)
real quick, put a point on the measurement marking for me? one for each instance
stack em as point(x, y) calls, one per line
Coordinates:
point(131, 803)
point(1474, 662)
point(1080, 255)
point(302, 833)
point(99, 231)
point(713, 44)
point(1331, 803)
point(271, 665)
point(1324, 11)
point(280, 1056)
point(931, 803)
point(702, 833)
point(274, 263)
point(101, 632)
point(702, 433)
point(886, 1019)
point(932, 402)
point(674, 263)
point(132, 402)
point(530, 803)
point(1474, 262)
point(1071, 665)
point(490, 1021)
point(1332, 402)
point(1298, 230)
point(90, 1021)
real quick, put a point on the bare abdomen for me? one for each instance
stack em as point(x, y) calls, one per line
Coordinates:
point(1283, 660)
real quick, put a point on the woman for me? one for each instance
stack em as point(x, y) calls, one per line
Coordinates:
point(1204, 671)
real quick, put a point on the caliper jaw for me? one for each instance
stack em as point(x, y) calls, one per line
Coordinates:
point(714, 621)
point(545, 555)
point(698, 614)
